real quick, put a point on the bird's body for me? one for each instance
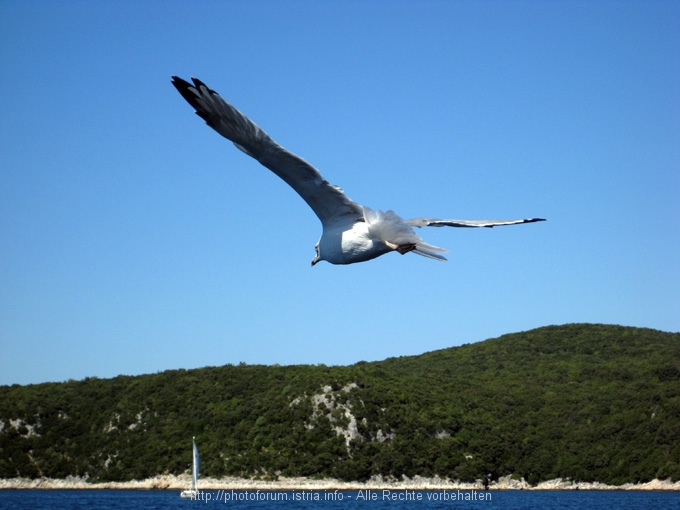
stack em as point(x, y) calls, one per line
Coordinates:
point(351, 232)
point(348, 242)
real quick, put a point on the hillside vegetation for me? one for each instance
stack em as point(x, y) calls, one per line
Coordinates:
point(589, 402)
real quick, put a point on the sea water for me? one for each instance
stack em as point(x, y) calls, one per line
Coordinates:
point(345, 500)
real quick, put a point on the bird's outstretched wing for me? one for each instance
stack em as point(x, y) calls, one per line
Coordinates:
point(326, 200)
point(431, 222)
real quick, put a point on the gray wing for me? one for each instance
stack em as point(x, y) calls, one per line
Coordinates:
point(326, 200)
point(431, 222)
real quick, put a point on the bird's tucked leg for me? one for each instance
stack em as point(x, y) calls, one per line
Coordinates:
point(401, 248)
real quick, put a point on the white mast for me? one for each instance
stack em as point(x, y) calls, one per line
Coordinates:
point(197, 463)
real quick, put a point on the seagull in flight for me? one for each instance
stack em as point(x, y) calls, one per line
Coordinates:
point(351, 232)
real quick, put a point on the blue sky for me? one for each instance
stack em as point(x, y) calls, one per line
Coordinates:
point(134, 239)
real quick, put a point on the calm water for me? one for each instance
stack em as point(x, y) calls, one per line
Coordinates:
point(346, 500)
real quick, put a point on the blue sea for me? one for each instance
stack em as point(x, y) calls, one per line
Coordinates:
point(345, 500)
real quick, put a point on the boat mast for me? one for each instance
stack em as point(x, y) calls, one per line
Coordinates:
point(194, 477)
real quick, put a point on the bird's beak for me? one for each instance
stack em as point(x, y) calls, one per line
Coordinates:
point(315, 260)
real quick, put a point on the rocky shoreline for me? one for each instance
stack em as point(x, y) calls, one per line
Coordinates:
point(171, 482)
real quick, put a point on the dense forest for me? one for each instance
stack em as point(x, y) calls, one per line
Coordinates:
point(588, 402)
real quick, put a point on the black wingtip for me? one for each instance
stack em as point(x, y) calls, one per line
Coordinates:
point(190, 93)
point(184, 88)
point(179, 82)
point(199, 83)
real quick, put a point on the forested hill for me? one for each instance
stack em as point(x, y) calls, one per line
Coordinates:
point(589, 402)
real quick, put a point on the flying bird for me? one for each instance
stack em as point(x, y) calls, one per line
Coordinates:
point(351, 232)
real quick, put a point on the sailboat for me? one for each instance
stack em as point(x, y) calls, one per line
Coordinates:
point(193, 492)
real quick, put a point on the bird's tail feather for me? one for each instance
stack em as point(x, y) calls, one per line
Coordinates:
point(429, 251)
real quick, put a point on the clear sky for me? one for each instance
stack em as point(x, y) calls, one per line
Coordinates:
point(134, 239)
